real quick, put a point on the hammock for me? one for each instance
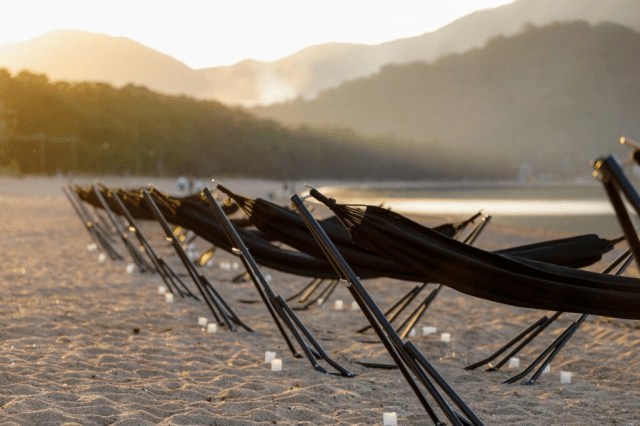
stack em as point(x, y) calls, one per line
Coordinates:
point(196, 216)
point(193, 213)
point(492, 276)
point(136, 205)
point(281, 224)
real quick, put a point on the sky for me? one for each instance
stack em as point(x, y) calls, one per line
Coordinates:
point(213, 33)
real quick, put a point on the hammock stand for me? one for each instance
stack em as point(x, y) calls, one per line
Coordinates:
point(219, 308)
point(170, 278)
point(275, 304)
point(136, 256)
point(405, 355)
point(97, 233)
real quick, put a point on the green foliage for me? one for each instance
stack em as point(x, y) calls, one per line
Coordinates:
point(134, 130)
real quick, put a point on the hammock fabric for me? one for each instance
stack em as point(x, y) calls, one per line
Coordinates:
point(492, 276)
point(286, 226)
point(281, 224)
point(136, 204)
point(194, 214)
point(576, 252)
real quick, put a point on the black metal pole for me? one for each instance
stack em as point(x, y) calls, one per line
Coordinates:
point(382, 327)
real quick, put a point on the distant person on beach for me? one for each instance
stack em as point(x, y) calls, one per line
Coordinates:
point(181, 183)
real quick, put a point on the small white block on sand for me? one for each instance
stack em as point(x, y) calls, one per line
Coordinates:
point(102, 258)
point(355, 306)
point(445, 337)
point(428, 330)
point(565, 377)
point(269, 356)
point(389, 419)
point(412, 332)
point(162, 289)
point(276, 364)
point(547, 369)
point(212, 328)
point(168, 297)
point(202, 321)
point(338, 305)
point(514, 362)
point(131, 268)
point(92, 247)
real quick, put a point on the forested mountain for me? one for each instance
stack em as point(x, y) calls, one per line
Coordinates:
point(82, 56)
point(96, 128)
point(554, 97)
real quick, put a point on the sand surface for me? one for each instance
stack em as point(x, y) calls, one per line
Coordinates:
point(86, 343)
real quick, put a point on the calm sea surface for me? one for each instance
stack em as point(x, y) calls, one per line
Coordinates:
point(567, 208)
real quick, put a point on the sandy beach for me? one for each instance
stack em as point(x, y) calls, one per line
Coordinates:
point(86, 343)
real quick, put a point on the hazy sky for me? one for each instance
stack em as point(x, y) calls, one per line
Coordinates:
point(210, 33)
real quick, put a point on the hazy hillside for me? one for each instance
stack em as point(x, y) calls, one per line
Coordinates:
point(96, 128)
point(554, 97)
point(333, 64)
point(84, 56)
point(75, 55)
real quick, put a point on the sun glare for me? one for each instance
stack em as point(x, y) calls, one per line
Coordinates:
point(204, 34)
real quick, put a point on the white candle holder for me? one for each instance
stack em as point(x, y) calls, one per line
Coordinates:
point(514, 362)
point(202, 321)
point(212, 328)
point(269, 356)
point(131, 268)
point(338, 305)
point(276, 364)
point(565, 377)
point(168, 297)
point(445, 337)
point(390, 419)
point(162, 290)
point(428, 330)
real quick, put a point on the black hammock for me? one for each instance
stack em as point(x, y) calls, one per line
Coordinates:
point(281, 224)
point(192, 213)
point(496, 277)
point(137, 206)
point(284, 225)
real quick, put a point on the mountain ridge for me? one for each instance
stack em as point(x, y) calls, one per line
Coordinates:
point(552, 96)
point(309, 71)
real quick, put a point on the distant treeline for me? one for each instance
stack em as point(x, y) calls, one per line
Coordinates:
point(95, 128)
point(553, 97)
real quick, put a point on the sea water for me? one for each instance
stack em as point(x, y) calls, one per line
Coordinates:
point(570, 208)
